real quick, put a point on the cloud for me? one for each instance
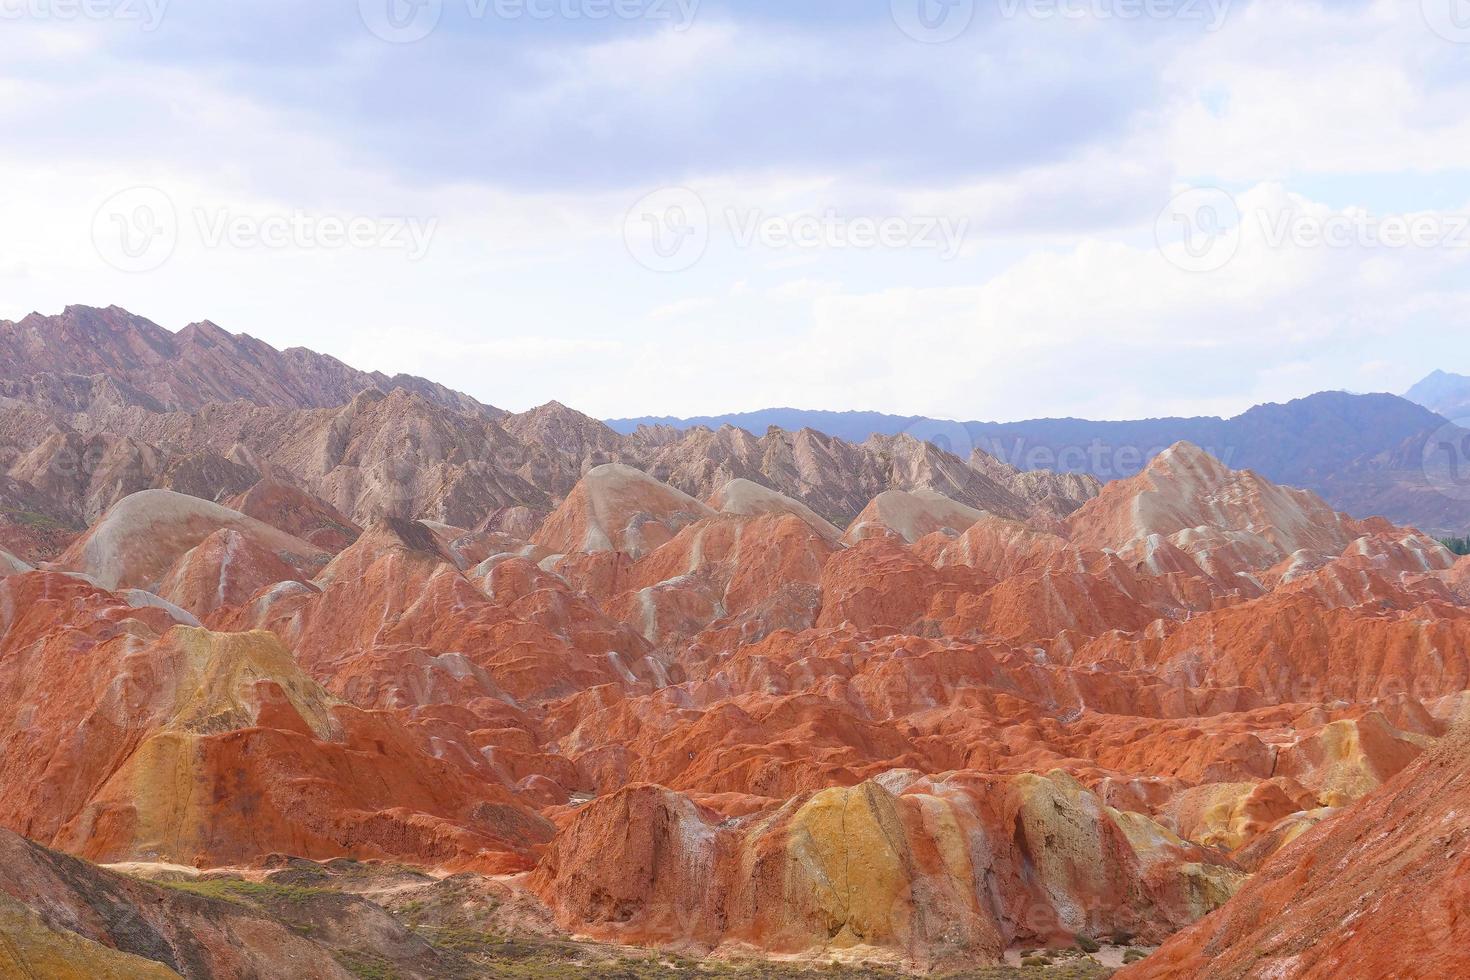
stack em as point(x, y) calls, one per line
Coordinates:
point(1057, 142)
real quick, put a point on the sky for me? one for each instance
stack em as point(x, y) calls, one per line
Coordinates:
point(973, 209)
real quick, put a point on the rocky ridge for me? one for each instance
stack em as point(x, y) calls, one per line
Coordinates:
point(667, 704)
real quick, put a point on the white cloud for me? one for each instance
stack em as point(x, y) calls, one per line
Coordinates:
point(1058, 304)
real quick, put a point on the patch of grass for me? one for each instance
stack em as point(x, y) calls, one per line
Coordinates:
point(30, 518)
point(367, 966)
point(517, 958)
point(248, 892)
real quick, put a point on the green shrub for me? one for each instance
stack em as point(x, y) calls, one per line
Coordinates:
point(1087, 944)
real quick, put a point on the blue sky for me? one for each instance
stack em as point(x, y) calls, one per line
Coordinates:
point(972, 214)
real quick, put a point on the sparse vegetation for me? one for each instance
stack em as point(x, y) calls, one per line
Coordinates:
point(367, 966)
point(527, 958)
point(32, 519)
point(457, 947)
point(243, 892)
point(1087, 944)
point(1460, 546)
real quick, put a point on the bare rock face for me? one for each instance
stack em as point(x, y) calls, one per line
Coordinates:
point(516, 522)
point(1000, 711)
point(29, 948)
point(726, 580)
point(999, 546)
point(618, 508)
point(568, 443)
point(1189, 498)
point(186, 746)
point(98, 404)
point(63, 918)
point(742, 498)
point(287, 508)
point(33, 527)
point(131, 360)
point(891, 864)
point(878, 583)
point(837, 479)
point(140, 539)
point(1051, 494)
point(11, 565)
point(1376, 890)
point(912, 516)
point(225, 569)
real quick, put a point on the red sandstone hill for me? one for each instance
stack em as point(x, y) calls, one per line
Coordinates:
point(1381, 890)
point(646, 690)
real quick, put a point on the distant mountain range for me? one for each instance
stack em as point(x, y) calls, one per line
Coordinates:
point(98, 403)
point(1365, 453)
point(1447, 394)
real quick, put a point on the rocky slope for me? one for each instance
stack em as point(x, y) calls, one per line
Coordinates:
point(61, 917)
point(215, 416)
point(1379, 890)
point(1364, 453)
point(1445, 394)
point(433, 689)
point(943, 737)
point(87, 359)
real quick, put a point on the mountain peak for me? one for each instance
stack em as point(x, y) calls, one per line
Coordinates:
point(1185, 454)
point(184, 371)
point(1444, 393)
